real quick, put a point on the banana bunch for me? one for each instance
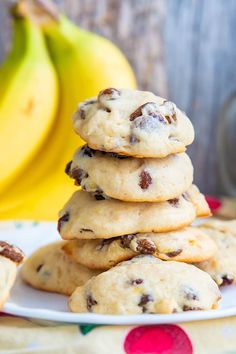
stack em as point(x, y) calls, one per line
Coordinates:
point(53, 65)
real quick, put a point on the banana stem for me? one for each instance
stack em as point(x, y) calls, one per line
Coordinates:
point(41, 12)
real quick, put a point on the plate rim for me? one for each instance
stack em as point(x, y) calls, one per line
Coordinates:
point(92, 318)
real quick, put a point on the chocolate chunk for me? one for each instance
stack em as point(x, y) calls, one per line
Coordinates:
point(78, 174)
point(39, 267)
point(174, 253)
point(125, 240)
point(105, 242)
point(145, 246)
point(90, 303)
point(144, 300)
point(67, 169)
point(11, 252)
point(174, 202)
point(227, 279)
point(136, 281)
point(191, 308)
point(64, 218)
point(109, 93)
point(87, 151)
point(190, 294)
point(145, 179)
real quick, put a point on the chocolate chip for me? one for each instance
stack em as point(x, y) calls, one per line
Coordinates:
point(140, 110)
point(90, 303)
point(99, 195)
point(136, 113)
point(191, 308)
point(147, 115)
point(174, 202)
point(85, 230)
point(39, 267)
point(227, 279)
point(190, 293)
point(78, 174)
point(136, 281)
point(82, 111)
point(145, 179)
point(87, 151)
point(125, 240)
point(145, 246)
point(186, 196)
point(144, 300)
point(11, 252)
point(148, 123)
point(105, 109)
point(110, 94)
point(90, 101)
point(170, 115)
point(174, 253)
point(67, 169)
point(64, 218)
point(105, 242)
point(117, 156)
point(133, 139)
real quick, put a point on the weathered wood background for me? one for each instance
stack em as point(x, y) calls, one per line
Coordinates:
point(181, 49)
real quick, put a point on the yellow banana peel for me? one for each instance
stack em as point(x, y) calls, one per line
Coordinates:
point(28, 100)
point(85, 63)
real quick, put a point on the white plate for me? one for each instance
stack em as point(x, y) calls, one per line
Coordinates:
point(28, 302)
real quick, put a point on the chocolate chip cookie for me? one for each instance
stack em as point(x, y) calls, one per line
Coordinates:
point(185, 245)
point(50, 269)
point(147, 286)
point(135, 123)
point(10, 257)
point(222, 266)
point(86, 216)
point(131, 179)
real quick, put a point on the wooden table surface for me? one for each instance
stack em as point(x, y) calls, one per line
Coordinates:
point(181, 49)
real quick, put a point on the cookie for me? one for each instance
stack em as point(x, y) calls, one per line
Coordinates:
point(86, 216)
point(50, 269)
point(131, 179)
point(135, 123)
point(222, 266)
point(186, 245)
point(147, 286)
point(10, 258)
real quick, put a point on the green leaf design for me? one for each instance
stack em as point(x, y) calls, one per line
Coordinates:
point(84, 329)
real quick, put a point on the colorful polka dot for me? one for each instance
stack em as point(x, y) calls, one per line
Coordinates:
point(160, 339)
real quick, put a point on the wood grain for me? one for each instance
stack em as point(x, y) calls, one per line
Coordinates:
point(181, 49)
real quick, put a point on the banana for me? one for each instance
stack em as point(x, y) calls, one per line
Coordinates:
point(85, 64)
point(28, 100)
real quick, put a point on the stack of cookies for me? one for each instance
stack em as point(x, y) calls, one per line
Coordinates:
point(129, 223)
